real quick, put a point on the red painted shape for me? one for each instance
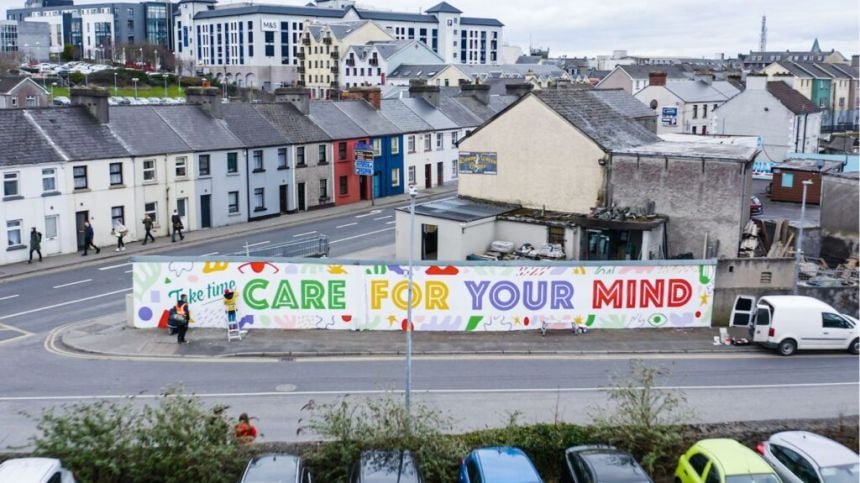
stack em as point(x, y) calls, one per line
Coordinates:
point(162, 322)
point(698, 314)
point(526, 321)
point(258, 267)
point(346, 318)
point(403, 325)
point(437, 270)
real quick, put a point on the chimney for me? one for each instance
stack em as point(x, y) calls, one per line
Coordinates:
point(657, 78)
point(297, 96)
point(95, 99)
point(704, 75)
point(855, 60)
point(519, 89)
point(373, 95)
point(481, 92)
point(207, 98)
point(785, 77)
point(418, 88)
point(756, 82)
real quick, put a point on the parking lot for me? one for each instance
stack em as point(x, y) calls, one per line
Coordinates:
point(780, 210)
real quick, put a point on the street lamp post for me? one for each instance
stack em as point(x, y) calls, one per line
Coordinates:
point(53, 84)
point(114, 84)
point(165, 85)
point(798, 248)
point(413, 192)
point(135, 79)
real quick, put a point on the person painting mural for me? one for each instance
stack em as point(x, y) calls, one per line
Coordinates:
point(230, 305)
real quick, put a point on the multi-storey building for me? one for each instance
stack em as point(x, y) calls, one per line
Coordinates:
point(831, 87)
point(29, 40)
point(758, 60)
point(370, 65)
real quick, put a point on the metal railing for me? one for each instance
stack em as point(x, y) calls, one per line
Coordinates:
point(315, 247)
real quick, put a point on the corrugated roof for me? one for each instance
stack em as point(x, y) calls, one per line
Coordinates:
point(335, 122)
point(77, 133)
point(22, 141)
point(144, 132)
point(791, 99)
point(461, 209)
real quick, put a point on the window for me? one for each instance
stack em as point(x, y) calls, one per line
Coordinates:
point(428, 141)
point(455, 168)
point(395, 145)
point(51, 226)
point(704, 111)
point(555, 235)
point(377, 147)
point(148, 170)
point(270, 43)
point(341, 151)
point(410, 144)
point(323, 189)
point(322, 154)
point(713, 475)
point(439, 142)
point(699, 461)
point(203, 165)
point(80, 175)
point(282, 158)
point(117, 215)
point(695, 111)
point(13, 233)
point(181, 167)
point(259, 199)
point(258, 160)
point(343, 181)
point(787, 180)
point(115, 174)
point(151, 209)
point(454, 135)
point(300, 156)
point(10, 184)
point(395, 177)
point(795, 463)
point(411, 175)
point(833, 321)
point(233, 202)
point(49, 179)
point(232, 163)
point(31, 101)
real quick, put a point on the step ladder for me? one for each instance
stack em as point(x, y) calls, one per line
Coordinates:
point(233, 331)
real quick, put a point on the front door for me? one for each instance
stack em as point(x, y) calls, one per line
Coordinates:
point(205, 211)
point(440, 173)
point(182, 211)
point(301, 193)
point(377, 184)
point(51, 242)
point(80, 218)
point(362, 187)
point(283, 198)
point(429, 242)
point(428, 175)
point(835, 333)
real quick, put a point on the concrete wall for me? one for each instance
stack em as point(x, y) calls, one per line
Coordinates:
point(543, 161)
point(685, 189)
point(455, 240)
point(840, 229)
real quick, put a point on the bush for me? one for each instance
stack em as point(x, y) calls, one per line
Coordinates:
point(176, 440)
point(76, 78)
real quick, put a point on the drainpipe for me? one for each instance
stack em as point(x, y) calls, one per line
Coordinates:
point(605, 162)
point(796, 132)
point(247, 186)
point(803, 147)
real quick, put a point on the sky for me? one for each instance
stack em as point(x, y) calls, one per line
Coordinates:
point(650, 27)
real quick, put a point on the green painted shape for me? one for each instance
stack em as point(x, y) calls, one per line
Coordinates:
point(590, 320)
point(167, 280)
point(473, 322)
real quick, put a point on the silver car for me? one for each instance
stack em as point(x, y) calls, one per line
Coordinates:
point(804, 457)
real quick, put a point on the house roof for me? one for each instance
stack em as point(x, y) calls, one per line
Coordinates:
point(77, 134)
point(295, 127)
point(428, 113)
point(672, 71)
point(804, 69)
point(338, 30)
point(9, 83)
point(486, 22)
point(693, 149)
point(144, 132)
point(529, 59)
point(272, 10)
point(251, 127)
point(22, 141)
point(443, 7)
point(371, 120)
point(511, 70)
point(334, 122)
point(198, 129)
point(396, 111)
point(624, 103)
point(811, 165)
point(476, 107)
point(690, 90)
point(395, 16)
point(791, 99)
point(417, 71)
point(461, 209)
point(453, 110)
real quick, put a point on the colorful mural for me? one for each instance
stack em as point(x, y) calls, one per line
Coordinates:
point(327, 294)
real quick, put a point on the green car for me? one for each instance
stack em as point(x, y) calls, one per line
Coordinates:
point(723, 461)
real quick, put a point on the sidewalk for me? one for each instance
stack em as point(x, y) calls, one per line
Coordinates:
point(58, 262)
point(111, 336)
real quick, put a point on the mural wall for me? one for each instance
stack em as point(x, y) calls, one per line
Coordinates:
point(331, 294)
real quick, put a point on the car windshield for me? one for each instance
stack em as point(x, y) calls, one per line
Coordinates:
point(762, 478)
point(841, 474)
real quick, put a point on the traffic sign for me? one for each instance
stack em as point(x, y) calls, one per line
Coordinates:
point(363, 168)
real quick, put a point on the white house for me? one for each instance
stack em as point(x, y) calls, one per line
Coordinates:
point(370, 64)
point(684, 106)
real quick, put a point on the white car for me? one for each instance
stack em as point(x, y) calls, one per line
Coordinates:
point(801, 457)
point(35, 470)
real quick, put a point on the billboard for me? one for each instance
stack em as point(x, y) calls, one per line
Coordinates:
point(468, 296)
point(669, 116)
point(477, 163)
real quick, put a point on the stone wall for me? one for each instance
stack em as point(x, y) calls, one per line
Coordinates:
point(839, 223)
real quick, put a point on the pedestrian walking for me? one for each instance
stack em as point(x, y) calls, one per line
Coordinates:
point(245, 432)
point(35, 244)
point(176, 220)
point(147, 225)
point(183, 317)
point(119, 231)
point(88, 239)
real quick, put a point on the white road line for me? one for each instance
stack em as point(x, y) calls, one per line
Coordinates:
point(8, 297)
point(215, 253)
point(73, 283)
point(128, 271)
point(253, 244)
point(348, 224)
point(304, 234)
point(114, 266)
point(390, 222)
point(63, 304)
point(357, 236)
point(382, 217)
point(551, 390)
point(372, 212)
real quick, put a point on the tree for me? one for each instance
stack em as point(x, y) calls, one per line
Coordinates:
point(68, 53)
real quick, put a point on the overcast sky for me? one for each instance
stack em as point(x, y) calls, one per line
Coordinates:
point(663, 27)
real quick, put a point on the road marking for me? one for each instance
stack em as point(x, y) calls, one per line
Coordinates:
point(114, 266)
point(215, 253)
point(549, 390)
point(24, 333)
point(304, 234)
point(8, 297)
point(348, 224)
point(390, 222)
point(73, 283)
point(357, 236)
point(382, 217)
point(371, 212)
point(63, 304)
point(128, 271)
point(252, 245)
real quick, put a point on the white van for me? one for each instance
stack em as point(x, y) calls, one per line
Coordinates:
point(791, 322)
point(35, 470)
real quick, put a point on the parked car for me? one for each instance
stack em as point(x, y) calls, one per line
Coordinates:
point(62, 101)
point(756, 208)
point(502, 464)
point(800, 457)
point(601, 464)
point(383, 466)
point(35, 470)
point(789, 323)
point(723, 461)
point(276, 468)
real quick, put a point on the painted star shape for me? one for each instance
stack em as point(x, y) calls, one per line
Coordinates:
point(704, 299)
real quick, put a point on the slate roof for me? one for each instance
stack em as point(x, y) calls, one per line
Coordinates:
point(397, 111)
point(250, 126)
point(511, 70)
point(77, 134)
point(197, 128)
point(334, 122)
point(597, 119)
point(624, 103)
point(338, 30)
point(791, 99)
point(429, 114)
point(9, 83)
point(22, 141)
point(698, 91)
point(486, 22)
point(443, 7)
point(295, 127)
point(417, 71)
point(529, 59)
point(273, 10)
point(838, 71)
point(363, 114)
point(476, 107)
point(673, 71)
point(144, 132)
point(453, 110)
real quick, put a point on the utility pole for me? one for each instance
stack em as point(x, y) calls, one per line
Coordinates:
point(763, 41)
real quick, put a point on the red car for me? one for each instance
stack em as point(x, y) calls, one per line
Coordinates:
point(756, 208)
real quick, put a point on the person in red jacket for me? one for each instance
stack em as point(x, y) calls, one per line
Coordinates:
point(245, 432)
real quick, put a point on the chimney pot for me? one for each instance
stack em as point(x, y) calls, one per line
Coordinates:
point(518, 89)
point(481, 92)
point(422, 90)
point(205, 97)
point(95, 99)
point(657, 78)
point(373, 95)
point(297, 96)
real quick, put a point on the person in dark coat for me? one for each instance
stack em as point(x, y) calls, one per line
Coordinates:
point(183, 310)
point(176, 221)
point(35, 244)
point(147, 225)
point(88, 239)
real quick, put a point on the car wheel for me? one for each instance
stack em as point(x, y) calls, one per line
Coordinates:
point(854, 348)
point(787, 347)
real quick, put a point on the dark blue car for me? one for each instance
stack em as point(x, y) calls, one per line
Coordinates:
point(501, 464)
